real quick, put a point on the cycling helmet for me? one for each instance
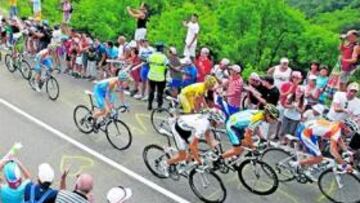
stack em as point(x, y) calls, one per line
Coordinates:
point(123, 75)
point(216, 115)
point(12, 174)
point(272, 110)
point(352, 125)
point(210, 81)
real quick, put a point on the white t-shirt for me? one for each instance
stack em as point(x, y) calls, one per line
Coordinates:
point(193, 29)
point(293, 113)
point(219, 73)
point(351, 106)
point(198, 124)
point(56, 36)
point(144, 53)
point(309, 115)
point(280, 77)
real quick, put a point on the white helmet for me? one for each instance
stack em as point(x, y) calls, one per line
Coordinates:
point(216, 115)
point(352, 125)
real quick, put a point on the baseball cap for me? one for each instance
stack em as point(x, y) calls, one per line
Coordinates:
point(254, 76)
point(12, 174)
point(352, 32)
point(225, 61)
point(284, 60)
point(205, 50)
point(318, 108)
point(296, 74)
point(354, 86)
point(312, 77)
point(45, 173)
point(235, 68)
point(118, 194)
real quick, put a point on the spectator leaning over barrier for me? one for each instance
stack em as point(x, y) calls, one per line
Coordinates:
point(350, 56)
point(281, 72)
point(175, 72)
point(345, 104)
point(81, 193)
point(41, 191)
point(191, 36)
point(157, 80)
point(16, 177)
point(220, 70)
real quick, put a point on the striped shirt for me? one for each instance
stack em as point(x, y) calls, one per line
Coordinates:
point(65, 196)
point(234, 90)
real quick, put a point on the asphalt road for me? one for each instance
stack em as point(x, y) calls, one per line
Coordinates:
point(48, 133)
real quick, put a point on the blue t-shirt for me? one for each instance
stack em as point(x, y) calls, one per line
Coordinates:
point(101, 49)
point(10, 195)
point(321, 82)
point(191, 73)
point(112, 53)
point(39, 192)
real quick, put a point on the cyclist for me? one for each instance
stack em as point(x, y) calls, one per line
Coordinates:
point(193, 96)
point(187, 130)
point(43, 58)
point(104, 94)
point(310, 132)
point(241, 126)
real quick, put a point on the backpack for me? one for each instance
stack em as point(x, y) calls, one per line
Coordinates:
point(43, 197)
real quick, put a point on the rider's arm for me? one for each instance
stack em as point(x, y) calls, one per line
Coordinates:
point(334, 151)
point(194, 149)
point(248, 137)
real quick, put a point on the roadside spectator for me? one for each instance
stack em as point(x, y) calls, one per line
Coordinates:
point(175, 72)
point(345, 104)
point(316, 112)
point(281, 72)
point(314, 70)
point(134, 61)
point(271, 93)
point(41, 191)
point(67, 11)
point(118, 194)
point(312, 93)
point(233, 90)
point(321, 83)
point(81, 193)
point(145, 51)
point(13, 12)
point(91, 64)
point(142, 17)
point(203, 64)
point(122, 44)
point(102, 56)
point(157, 80)
point(36, 9)
point(189, 72)
point(254, 87)
point(350, 54)
point(220, 70)
point(294, 107)
point(13, 189)
point(191, 36)
point(84, 47)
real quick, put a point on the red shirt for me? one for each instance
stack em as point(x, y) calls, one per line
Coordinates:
point(234, 89)
point(346, 52)
point(203, 66)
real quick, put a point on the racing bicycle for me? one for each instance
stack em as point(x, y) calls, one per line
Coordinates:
point(47, 79)
point(117, 132)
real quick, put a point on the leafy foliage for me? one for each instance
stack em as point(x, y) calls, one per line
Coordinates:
point(254, 33)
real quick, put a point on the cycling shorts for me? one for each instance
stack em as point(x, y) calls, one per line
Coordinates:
point(235, 135)
point(186, 103)
point(311, 143)
point(99, 97)
point(181, 136)
point(47, 62)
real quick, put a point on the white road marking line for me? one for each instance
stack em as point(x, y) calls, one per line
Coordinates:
point(95, 154)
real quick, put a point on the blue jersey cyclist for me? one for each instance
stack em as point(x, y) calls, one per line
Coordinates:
point(241, 126)
point(43, 58)
point(104, 93)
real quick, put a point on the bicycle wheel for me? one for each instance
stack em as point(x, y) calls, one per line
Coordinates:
point(25, 69)
point(31, 81)
point(9, 62)
point(52, 88)
point(258, 177)
point(348, 192)
point(279, 159)
point(159, 120)
point(207, 186)
point(153, 155)
point(83, 119)
point(118, 134)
